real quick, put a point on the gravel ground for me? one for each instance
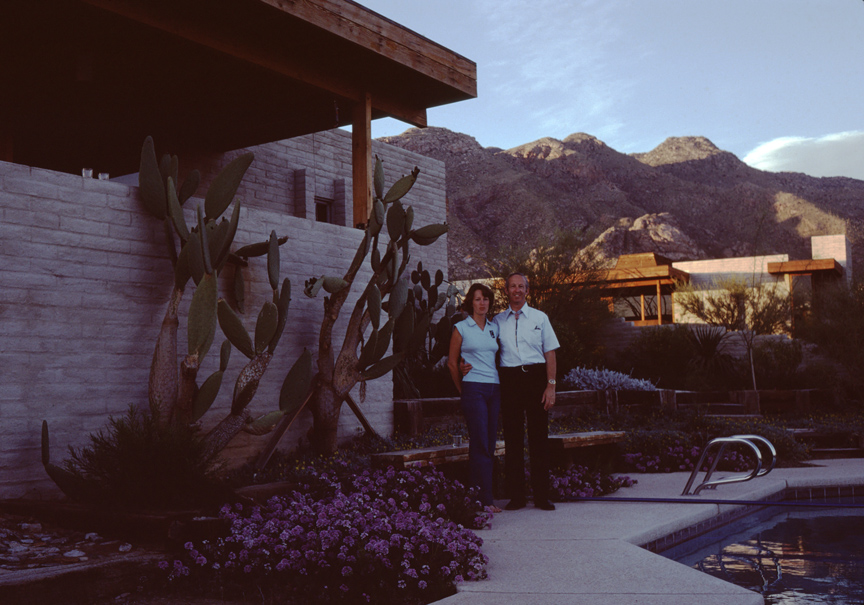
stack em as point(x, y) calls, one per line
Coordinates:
point(27, 544)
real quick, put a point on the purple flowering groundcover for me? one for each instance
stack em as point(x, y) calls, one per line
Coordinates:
point(398, 536)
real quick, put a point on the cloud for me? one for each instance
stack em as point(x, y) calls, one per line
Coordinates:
point(551, 65)
point(840, 154)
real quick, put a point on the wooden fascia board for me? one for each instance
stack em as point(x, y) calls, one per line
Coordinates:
point(253, 51)
point(379, 34)
point(646, 283)
point(803, 267)
point(662, 272)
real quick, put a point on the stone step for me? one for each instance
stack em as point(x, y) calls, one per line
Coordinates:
point(825, 441)
point(828, 453)
point(738, 416)
point(716, 408)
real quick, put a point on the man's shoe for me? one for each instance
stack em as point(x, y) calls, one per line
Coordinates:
point(544, 505)
point(515, 504)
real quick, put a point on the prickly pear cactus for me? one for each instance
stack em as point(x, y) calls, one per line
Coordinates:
point(389, 316)
point(198, 253)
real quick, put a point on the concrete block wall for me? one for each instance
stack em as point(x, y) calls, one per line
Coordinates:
point(837, 247)
point(749, 269)
point(85, 278)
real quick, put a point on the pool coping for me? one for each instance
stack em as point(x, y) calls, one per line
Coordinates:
point(812, 494)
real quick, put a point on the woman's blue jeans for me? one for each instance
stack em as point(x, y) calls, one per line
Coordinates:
point(481, 403)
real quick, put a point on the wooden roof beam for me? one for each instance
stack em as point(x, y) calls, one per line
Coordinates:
point(807, 266)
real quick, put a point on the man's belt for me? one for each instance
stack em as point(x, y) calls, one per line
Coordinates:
point(525, 368)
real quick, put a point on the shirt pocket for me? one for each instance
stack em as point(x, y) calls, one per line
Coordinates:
point(534, 336)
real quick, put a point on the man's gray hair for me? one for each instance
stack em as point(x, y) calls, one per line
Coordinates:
point(522, 275)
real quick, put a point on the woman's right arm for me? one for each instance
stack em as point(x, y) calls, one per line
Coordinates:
point(453, 359)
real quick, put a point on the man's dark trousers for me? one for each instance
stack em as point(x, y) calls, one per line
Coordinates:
point(521, 398)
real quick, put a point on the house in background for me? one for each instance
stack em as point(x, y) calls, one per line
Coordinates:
point(640, 284)
point(84, 275)
point(643, 283)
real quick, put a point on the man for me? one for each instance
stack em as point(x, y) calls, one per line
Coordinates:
point(527, 375)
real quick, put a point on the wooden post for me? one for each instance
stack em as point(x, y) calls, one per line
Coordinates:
point(361, 159)
point(642, 306)
point(659, 305)
point(790, 284)
point(672, 304)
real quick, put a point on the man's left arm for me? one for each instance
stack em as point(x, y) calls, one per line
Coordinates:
point(550, 344)
point(551, 370)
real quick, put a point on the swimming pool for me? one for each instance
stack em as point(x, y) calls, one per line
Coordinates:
point(799, 556)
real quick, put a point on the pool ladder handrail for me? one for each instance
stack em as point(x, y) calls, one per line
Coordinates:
point(723, 442)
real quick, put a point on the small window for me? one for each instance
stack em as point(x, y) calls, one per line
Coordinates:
point(323, 209)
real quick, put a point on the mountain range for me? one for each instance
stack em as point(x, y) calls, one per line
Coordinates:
point(686, 199)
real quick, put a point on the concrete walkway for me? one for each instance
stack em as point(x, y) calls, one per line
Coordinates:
point(588, 552)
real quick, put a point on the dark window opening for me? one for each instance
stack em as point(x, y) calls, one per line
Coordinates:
point(323, 209)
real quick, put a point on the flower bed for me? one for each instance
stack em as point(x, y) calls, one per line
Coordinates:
point(381, 536)
point(679, 457)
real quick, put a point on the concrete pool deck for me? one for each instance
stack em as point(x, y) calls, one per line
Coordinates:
point(590, 552)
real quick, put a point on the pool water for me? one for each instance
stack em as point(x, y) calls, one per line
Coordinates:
point(791, 556)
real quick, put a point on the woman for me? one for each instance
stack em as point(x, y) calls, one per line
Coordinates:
point(476, 341)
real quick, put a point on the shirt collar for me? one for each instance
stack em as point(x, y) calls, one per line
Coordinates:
point(524, 311)
point(472, 323)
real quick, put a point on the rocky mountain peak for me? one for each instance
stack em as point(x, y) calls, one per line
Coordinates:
point(675, 150)
point(436, 142)
point(685, 199)
point(546, 148)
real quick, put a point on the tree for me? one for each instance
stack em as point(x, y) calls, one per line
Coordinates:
point(836, 324)
point(748, 307)
point(561, 277)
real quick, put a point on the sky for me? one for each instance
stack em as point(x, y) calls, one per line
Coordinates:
point(779, 83)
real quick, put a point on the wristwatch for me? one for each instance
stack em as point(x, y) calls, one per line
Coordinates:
point(551, 381)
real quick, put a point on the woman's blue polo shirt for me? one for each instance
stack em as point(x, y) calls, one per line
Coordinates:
point(479, 348)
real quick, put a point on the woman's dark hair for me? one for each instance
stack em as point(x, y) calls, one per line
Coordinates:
point(468, 303)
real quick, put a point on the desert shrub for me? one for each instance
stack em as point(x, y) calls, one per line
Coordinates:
point(587, 379)
point(140, 463)
point(363, 543)
point(845, 430)
point(821, 374)
point(710, 366)
point(777, 362)
point(689, 357)
point(581, 482)
point(659, 355)
point(788, 449)
point(837, 326)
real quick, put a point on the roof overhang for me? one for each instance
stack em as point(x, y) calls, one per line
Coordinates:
point(86, 80)
point(824, 266)
point(642, 277)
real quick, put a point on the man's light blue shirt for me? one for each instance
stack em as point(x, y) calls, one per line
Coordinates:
point(525, 342)
point(479, 348)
